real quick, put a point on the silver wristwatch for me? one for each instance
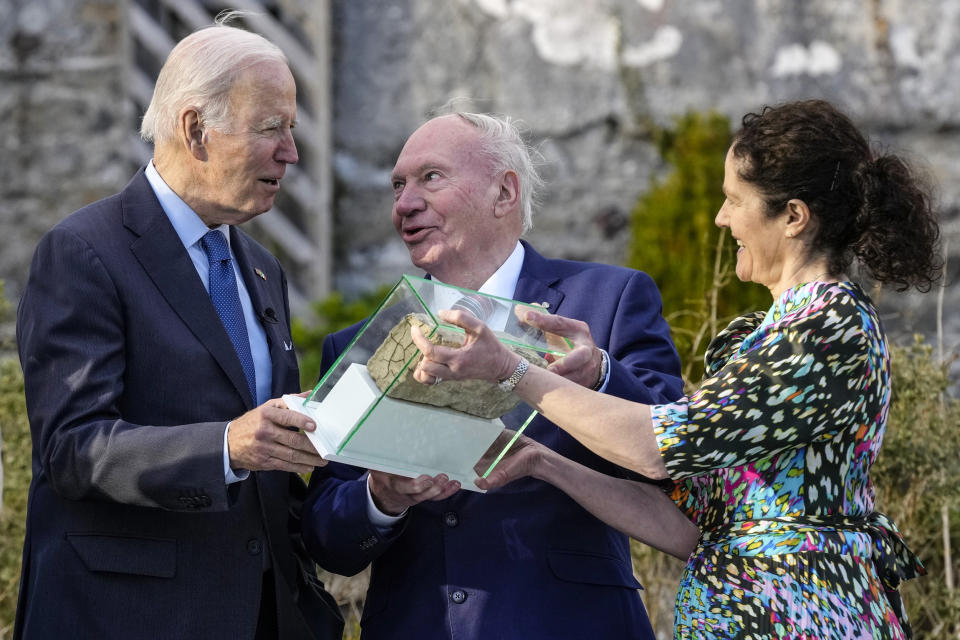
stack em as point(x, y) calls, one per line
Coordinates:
point(511, 383)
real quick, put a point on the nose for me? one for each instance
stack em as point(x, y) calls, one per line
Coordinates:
point(287, 150)
point(408, 201)
point(721, 220)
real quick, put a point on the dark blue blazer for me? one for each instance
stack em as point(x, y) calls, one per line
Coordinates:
point(130, 378)
point(524, 561)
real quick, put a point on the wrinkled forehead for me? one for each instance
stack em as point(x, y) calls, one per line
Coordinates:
point(448, 142)
point(266, 86)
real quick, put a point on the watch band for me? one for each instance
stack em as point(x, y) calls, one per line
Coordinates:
point(604, 365)
point(511, 383)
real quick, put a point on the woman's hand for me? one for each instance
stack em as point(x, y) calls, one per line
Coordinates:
point(525, 458)
point(481, 357)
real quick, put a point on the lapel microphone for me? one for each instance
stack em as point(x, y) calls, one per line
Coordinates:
point(269, 315)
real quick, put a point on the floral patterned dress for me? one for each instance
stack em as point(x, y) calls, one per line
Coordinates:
point(771, 459)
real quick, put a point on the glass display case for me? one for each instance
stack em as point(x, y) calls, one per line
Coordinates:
point(371, 413)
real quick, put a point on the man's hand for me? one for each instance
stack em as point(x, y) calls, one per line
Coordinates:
point(582, 365)
point(270, 438)
point(392, 494)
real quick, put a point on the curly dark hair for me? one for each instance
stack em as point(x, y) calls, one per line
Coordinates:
point(868, 206)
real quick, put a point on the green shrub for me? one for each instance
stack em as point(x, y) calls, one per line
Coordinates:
point(330, 314)
point(673, 238)
point(917, 476)
point(16, 482)
point(16, 451)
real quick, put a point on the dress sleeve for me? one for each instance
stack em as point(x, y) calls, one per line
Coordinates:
point(801, 381)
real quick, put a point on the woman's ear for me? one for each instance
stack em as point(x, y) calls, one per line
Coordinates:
point(798, 218)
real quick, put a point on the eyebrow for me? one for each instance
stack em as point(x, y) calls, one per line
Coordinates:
point(394, 176)
point(274, 121)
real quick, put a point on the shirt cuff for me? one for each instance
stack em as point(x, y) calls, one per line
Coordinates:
point(379, 518)
point(228, 473)
point(606, 376)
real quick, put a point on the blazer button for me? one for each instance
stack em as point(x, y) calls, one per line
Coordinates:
point(254, 547)
point(451, 519)
point(458, 596)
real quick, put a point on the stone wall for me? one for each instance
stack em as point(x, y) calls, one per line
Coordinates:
point(589, 77)
point(64, 120)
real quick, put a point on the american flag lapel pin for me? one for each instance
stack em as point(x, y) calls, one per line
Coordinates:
point(259, 272)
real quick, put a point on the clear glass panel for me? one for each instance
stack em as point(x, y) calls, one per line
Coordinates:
point(371, 413)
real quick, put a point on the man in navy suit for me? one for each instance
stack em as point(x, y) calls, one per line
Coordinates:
point(524, 561)
point(164, 500)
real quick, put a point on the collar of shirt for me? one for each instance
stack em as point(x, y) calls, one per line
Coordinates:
point(185, 221)
point(503, 282)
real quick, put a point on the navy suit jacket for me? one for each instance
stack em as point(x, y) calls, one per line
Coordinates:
point(130, 378)
point(524, 561)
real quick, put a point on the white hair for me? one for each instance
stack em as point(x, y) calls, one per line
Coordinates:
point(503, 145)
point(199, 73)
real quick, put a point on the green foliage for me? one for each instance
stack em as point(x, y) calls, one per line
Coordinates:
point(916, 477)
point(16, 482)
point(675, 241)
point(16, 451)
point(331, 314)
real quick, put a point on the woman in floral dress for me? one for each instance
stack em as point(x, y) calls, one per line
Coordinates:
point(770, 457)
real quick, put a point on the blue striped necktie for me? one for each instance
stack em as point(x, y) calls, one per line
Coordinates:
point(223, 294)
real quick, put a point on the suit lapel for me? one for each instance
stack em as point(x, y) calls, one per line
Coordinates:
point(536, 283)
point(266, 296)
point(165, 260)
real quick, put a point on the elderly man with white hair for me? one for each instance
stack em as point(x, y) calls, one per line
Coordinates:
point(154, 337)
point(525, 561)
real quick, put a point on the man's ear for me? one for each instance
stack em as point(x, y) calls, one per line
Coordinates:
point(191, 134)
point(798, 218)
point(508, 197)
